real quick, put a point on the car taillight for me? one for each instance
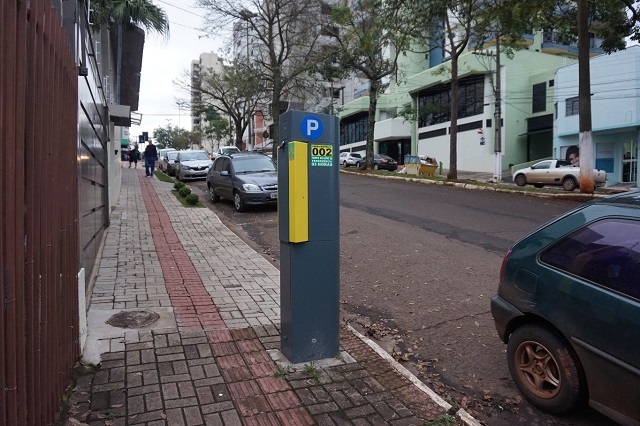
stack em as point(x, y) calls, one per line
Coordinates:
point(383, 161)
point(504, 264)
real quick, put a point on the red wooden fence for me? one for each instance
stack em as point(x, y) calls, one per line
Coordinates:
point(38, 212)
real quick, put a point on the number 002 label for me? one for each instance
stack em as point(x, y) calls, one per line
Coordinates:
point(322, 155)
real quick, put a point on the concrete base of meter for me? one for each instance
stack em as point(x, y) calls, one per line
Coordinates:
point(310, 300)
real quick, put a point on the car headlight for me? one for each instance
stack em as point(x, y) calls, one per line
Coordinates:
point(250, 187)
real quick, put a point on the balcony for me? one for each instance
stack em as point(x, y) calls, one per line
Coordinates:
point(552, 43)
point(393, 128)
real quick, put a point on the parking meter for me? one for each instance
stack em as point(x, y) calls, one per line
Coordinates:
point(308, 219)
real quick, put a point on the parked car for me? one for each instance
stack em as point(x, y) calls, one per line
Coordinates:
point(168, 163)
point(556, 172)
point(162, 152)
point(568, 308)
point(351, 159)
point(226, 150)
point(248, 178)
point(192, 164)
point(384, 162)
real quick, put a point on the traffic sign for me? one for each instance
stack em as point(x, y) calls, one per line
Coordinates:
point(311, 127)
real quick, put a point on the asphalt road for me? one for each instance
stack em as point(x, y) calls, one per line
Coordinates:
point(419, 264)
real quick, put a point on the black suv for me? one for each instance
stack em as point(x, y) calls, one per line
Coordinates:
point(247, 178)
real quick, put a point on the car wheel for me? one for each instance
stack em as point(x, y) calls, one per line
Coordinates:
point(238, 203)
point(545, 369)
point(538, 185)
point(358, 165)
point(212, 194)
point(376, 167)
point(344, 164)
point(569, 184)
point(521, 180)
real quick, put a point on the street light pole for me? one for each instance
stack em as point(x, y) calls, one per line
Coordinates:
point(497, 174)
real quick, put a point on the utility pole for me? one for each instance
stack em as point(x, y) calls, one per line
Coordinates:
point(497, 173)
point(497, 113)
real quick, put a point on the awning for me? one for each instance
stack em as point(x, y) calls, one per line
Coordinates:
point(120, 115)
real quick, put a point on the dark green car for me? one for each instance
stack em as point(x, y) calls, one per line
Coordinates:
point(568, 307)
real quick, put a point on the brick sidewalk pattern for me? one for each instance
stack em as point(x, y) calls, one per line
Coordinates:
point(216, 365)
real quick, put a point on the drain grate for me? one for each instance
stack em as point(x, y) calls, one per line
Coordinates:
point(133, 319)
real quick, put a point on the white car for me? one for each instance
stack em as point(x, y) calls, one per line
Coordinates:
point(351, 159)
point(226, 150)
point(192, 164)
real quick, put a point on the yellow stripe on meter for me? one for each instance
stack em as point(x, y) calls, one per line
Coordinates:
point(298, 192)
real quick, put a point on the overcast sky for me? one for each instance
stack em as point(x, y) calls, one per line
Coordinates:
point(163, 61)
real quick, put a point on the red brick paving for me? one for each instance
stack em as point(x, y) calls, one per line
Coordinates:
point(193, 307)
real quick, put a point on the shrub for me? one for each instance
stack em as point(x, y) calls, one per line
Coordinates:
point(178, 185)
point(184, 191)
point(192, 199)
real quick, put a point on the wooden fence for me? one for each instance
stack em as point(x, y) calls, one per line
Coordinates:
point(38, 212)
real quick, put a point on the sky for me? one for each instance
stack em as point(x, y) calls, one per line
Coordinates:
point(163, 62)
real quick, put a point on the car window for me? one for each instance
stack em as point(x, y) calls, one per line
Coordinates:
point(541, 165)
point(226, 166)
point(562, 163)
point(172, 155)
point(191, 156)
point(606, 252)
point(217, 166)
point(356, 155)
point(253, 164)
point(229, 150)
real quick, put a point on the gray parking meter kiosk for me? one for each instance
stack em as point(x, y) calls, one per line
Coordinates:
point(308, 219)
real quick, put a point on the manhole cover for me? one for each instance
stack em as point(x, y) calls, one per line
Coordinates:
point(133, 319)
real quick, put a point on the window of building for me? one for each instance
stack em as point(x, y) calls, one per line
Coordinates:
point(539, 97)
point(353, 129)
point(604, 252)
point(434, 104)
point(572, 106)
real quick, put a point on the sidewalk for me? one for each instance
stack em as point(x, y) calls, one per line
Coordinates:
point(201, 347)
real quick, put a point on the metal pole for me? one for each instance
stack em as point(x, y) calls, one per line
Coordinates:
point(249, 139)
point(498, 118)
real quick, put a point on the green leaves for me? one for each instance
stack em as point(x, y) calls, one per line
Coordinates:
point(141, 13)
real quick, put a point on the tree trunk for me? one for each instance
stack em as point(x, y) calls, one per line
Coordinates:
point(453, 141)
point(587, 163)
point(374, 86)
point(275, 112)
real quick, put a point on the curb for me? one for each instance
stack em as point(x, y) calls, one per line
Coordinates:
point(475, 186)
point(461, 414)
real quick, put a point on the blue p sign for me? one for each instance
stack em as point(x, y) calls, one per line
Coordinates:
point(311, 127)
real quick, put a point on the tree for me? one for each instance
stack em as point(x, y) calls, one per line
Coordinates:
point(235, 92)
point(369, 36)
point(216, 127)
point(175, 137)
point(284, 37)
point(141, 13)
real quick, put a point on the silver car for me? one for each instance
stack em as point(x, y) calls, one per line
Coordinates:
point(351, 159)
point(192, 164)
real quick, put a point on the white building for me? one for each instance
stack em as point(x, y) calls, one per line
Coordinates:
point(615, 112)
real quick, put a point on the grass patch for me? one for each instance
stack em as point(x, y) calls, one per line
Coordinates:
point(183, 200)
point(311, 370)
point(163, 177)
point(282, 371)
point(444, 420)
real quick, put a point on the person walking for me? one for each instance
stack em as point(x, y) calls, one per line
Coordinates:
point(150, 157)
point(136, 156)
point(130, 156)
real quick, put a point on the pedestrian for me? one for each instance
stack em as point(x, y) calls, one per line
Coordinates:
point(136, 156)
point(130, 156)
point(150, 157)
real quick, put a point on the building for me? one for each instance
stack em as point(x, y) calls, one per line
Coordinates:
point(526, 107)
point(615, 112)
point(207, 62)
